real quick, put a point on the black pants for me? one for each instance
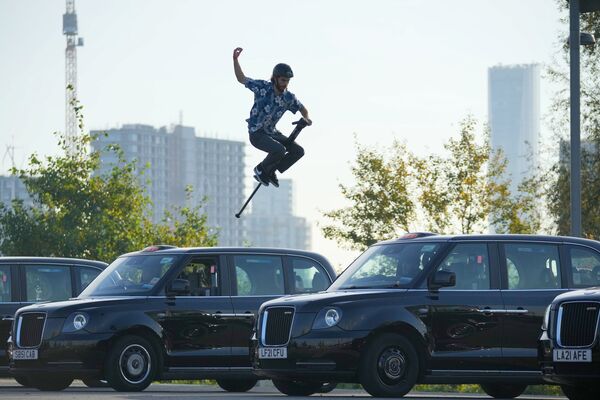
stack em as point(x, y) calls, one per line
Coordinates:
point(282, 155)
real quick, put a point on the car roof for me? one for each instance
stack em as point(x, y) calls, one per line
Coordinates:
point(162, 249)
point(51, 260)
point(494, 237)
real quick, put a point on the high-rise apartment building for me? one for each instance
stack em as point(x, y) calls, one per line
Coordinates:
point(272, 222)
point(174, 158)
point(514, 117)
point(11, 187)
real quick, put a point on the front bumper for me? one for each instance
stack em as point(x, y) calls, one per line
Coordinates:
point(78, 355)
point(567, 373)
point(331, 353)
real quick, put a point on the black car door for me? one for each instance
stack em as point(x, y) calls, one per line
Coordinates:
point(531, 278)
point(197, 325)
point(9, 303)
point(466, 318)
point(256, 279)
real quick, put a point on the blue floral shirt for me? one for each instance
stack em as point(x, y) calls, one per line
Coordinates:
point(268, 107)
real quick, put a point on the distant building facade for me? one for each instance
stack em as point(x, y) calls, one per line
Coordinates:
point(272, 222)
point(174, 158)
point(514, 117)
point(11, 187)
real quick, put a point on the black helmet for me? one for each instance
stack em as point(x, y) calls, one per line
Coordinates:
point(283, 70)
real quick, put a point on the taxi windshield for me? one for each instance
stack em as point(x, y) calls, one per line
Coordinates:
point(393, 265)
point(134, 275)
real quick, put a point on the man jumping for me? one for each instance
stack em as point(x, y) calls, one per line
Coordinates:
point(271, 100)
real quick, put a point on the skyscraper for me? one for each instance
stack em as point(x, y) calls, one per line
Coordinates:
point(174, 158)
point(11, 188)
point(272, 222)
point(514, 117)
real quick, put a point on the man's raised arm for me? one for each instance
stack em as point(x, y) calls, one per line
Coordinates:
point(236, 66)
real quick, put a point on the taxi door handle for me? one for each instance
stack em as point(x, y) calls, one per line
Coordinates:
point(490, 311)
point(8, 318)
point(517, 311)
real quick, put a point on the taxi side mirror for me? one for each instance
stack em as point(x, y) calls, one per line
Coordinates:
point(440, 279)
point(178, 287)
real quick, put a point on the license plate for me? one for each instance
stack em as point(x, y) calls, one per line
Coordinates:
point(272, 352)
point(572, 355)
point(29, 354)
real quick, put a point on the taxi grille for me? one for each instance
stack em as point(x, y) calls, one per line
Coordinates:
point(29, 329)
point(277, 325)
point(578, 322)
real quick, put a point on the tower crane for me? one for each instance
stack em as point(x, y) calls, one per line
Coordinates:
point(73, 41)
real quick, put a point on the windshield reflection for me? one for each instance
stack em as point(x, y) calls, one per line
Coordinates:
point(387, 266)
point(131, 276)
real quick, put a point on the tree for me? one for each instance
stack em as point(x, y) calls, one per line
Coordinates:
point(380, 201)
point(185, 226)
point(78, 212)
point(463, 192)
point(557, 177)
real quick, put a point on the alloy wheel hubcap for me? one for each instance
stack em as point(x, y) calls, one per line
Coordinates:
point(134, 363)
point(391, 365)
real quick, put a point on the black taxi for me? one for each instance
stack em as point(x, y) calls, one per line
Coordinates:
point(569, 349)
point(161, 313)
point(29, 280)
point(422, 309)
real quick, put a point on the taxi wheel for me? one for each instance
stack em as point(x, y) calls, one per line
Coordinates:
point(297, 388)
point(502, 391)
point(236, 385)
point(131, 364)
point(328, 387)
point(95, 383)
point(389, 366)
point(51, 384)
point(580, 392)
point(23, 381)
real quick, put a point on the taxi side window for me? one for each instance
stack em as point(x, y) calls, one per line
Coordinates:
point(532, 266)
point(585, 266)
point(470, 263)
point(5, 282)
point(202, 276)
point(309, 276)
point(258, 275)
point(84, 276)
point(47, 282)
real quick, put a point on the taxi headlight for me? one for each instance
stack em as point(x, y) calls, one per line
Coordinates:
point(546, 322)
point(327, 317)
point(76, 322)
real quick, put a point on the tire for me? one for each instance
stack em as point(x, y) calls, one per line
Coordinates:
point(389, 366)
point(503, 391)
point(95, 383)
point(23, 381)
point(328, 387)
point(297, 388)
point(131, 364)
point(51, 384)
point(580, 392)
point(237, 385)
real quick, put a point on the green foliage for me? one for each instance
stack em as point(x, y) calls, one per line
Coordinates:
point(556, 183)
point(185, 226)
point(380, 201)
point(464, 191)
point(78, 212)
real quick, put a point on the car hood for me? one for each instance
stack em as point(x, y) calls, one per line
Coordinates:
point(64, 308)
point(315, 301)
point(592, 294)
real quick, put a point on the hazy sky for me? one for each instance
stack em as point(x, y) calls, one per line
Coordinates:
point(380, 69)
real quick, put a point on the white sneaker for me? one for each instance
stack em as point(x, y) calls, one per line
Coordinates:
point(259, 176)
